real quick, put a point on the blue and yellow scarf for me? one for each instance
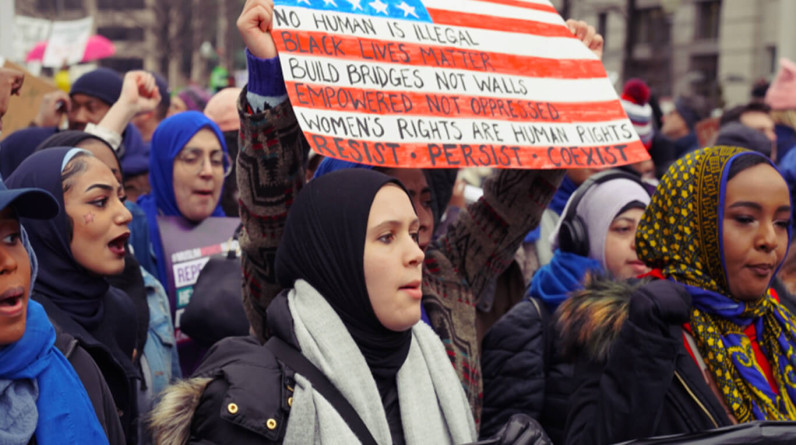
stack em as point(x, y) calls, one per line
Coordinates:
point(680, 234)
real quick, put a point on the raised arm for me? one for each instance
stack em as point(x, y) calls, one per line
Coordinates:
point(271, 161)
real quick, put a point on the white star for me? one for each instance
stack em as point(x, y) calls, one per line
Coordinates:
point(355, 5)
point(304, 1)
point(407, 9)
point(379, 6)
point(329, 2)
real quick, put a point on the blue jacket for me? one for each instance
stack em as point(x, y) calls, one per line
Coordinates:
point(160, 350)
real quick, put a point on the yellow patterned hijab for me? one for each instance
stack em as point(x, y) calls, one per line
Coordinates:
point(679, 234)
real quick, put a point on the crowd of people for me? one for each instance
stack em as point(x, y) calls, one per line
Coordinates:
point(561, 306)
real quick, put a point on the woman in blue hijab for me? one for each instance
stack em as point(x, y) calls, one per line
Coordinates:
point(187, 165)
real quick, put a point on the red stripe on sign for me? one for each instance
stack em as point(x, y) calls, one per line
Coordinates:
point(526, 5)
point(492, 23)
point(435, 155)
point(211, 250)
point(385, 51)
point(371, 101)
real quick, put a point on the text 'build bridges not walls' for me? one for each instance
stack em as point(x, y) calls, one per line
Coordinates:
point(449, 83)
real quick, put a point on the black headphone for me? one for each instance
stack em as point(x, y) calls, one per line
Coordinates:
point(573, 237)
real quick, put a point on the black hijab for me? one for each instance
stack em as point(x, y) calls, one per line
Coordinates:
point(130, 281)
point(61, 279)
point(324, 244)
point(70, 138)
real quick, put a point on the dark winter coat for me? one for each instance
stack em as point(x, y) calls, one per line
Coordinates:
point(514, 365)
point(630, 381)
point(121, 378)
point(523, 373)
point(98, 392)
point(240, 393)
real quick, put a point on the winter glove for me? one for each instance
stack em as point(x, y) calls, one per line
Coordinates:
point(660, 304)
point(521, 429)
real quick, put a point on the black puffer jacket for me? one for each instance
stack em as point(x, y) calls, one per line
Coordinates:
point(631, 381)
point(240, 393)
point(523, 373)
point(514, 365)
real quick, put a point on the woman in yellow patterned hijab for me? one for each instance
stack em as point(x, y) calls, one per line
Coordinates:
point(719, 223)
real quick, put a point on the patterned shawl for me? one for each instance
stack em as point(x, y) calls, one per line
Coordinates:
point(681, 234)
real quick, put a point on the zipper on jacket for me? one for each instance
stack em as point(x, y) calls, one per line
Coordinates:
point(693, 396)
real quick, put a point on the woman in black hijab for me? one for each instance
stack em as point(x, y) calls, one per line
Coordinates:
point(351, 266)
point(155, 340)
point(130, 280)
point(76, 250)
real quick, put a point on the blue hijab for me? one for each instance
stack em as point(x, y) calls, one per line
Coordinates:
point(554, 281)
point(169, 139)
point(63, 412)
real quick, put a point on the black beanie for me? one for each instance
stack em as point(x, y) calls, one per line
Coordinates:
point(103, 83)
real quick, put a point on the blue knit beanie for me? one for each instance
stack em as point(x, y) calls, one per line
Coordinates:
point(103, 83)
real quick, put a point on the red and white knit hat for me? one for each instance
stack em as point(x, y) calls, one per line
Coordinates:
point(635, 100)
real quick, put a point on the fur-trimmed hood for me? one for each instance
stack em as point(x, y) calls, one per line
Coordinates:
point(170, 420)
point(589, 321)
point(237, 362)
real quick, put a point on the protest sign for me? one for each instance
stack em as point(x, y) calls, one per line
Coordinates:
point(25, 106)
point(28, 31)
point(187, 247)
point(449, 83)
point(67, 42)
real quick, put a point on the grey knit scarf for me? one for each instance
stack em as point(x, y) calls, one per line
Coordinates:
point(433, 406)
point(18, 414)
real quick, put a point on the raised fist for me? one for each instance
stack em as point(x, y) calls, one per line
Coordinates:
point(254, 24)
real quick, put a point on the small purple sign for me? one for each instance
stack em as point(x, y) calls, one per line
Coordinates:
point(187, 248)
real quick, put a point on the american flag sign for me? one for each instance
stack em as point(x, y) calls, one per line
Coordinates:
point(449, 83)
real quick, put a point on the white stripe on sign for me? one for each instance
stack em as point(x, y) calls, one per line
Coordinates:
point(186, 274)
point(488, 40)
point(397, 78)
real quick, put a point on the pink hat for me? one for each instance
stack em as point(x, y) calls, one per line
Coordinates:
point(223, 110)
point(781, 94)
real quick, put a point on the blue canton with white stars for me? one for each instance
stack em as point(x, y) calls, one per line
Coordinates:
point(394, 9)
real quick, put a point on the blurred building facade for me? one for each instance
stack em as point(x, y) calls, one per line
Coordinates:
point(166, 36)
point(714, 48)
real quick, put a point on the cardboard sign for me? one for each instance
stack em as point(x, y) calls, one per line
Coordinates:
point(22, 109)
point(449, 83)
point(187, 248)
point(67, 42)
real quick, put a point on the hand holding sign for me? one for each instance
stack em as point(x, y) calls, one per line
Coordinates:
point(588, 35)
point(254, 24)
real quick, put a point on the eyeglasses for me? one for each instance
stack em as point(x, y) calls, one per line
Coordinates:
point(194, 159)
